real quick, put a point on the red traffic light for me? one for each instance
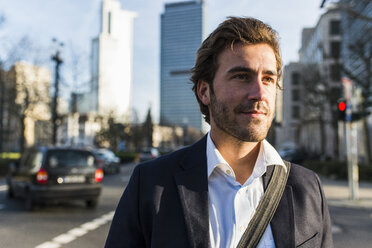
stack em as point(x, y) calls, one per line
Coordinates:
point(341, 106)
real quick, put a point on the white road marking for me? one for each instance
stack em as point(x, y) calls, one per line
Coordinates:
point(78, 232)
point(336, 229)
point(73, 234)
point(64, 238)
point(3, 187)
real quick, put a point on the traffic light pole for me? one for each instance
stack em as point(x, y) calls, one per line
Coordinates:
point(352, 151)
point(57, 58)
point(352, 161)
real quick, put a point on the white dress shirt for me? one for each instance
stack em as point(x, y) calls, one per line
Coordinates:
point(232, 205)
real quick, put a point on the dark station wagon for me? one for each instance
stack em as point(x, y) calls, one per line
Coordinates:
point(46, 174)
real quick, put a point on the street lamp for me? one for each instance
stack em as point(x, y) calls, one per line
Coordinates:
point(57, 58)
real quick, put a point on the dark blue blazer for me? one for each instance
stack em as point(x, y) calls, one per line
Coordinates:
point(166, 205)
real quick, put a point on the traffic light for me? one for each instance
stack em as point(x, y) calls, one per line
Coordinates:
point(341, 110)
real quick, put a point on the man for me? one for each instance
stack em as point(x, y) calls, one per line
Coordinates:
point(206, 194)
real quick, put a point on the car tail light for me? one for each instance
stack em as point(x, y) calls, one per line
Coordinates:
point(98, 176)
point(42, 176)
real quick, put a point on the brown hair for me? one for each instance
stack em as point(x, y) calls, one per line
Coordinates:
point(232, 31)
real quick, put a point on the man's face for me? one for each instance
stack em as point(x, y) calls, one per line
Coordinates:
point(244, 87)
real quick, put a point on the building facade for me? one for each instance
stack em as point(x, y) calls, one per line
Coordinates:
point(26, 107)
point(289, 101)
point(112, 64)
point(181, 36)
point(356, 54)
point(312, 88)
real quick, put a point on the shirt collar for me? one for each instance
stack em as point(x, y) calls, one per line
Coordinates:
point(266, 156)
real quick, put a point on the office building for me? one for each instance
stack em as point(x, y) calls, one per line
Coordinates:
point(26, 114)
point(312, 88)
point(181, 36)
point(112, 54)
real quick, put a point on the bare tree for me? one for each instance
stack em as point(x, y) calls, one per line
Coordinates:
point(31, 91)
point(8, 109)
point(362, 51)
point(357, 58)
point(147, 127)
point(319, 102)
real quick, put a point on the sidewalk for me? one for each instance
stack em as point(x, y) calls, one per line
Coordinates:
point(337, 194)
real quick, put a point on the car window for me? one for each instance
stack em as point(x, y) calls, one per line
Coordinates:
point(31, 160)
point(69, 158)
point(110, 154)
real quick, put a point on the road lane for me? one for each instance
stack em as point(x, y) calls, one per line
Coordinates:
point(62, 225)
point(77, 232)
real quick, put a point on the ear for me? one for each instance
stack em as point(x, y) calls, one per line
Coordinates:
point(203, 91)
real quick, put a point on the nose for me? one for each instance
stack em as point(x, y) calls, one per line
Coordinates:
point(257, 90)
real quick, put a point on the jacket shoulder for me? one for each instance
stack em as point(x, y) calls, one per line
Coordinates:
point(177, 159)
point(304, 180)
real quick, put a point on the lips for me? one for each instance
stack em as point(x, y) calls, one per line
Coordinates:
point(252, 108)
point(258, 112)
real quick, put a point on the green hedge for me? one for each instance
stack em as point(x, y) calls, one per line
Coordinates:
point(5, 159)
point(127, 157)
point(337, 169)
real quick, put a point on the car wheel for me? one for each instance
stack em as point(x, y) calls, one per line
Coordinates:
point(92, 203)
point(29, 204)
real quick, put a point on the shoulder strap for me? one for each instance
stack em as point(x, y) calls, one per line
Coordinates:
point(266, 208)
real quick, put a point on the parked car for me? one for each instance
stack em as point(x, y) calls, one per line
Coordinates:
point(107, 160)
point(46, 174)
point(148, 154)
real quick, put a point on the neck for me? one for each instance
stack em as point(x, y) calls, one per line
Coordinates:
point(240, 155)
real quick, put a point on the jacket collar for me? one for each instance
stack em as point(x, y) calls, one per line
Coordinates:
point(192, 184)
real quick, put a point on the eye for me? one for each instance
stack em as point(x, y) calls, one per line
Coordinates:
point(270, 80)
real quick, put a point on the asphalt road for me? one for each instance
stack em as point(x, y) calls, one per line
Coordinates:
point(352, 227)
point(63, 225)
point(73, 225)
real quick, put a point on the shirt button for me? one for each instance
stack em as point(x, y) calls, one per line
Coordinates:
point(228, 172)
point(242, 228)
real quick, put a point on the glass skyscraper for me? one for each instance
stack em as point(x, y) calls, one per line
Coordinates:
point(181, 36)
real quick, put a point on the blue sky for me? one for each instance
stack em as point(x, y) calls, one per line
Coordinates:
point(76, 22)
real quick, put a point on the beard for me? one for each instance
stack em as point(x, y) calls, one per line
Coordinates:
point(247, 129)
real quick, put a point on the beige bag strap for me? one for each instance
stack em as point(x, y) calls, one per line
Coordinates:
point(266, 208)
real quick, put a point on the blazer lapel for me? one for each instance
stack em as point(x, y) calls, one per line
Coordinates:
point(192, 184)
point(282, 224)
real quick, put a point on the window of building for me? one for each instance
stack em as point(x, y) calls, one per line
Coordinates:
point(335, 49)
point(295, 78)
point(335, 72)
point(109, 23)
point(295, 112)
point(295, 95)
point(335, 27)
